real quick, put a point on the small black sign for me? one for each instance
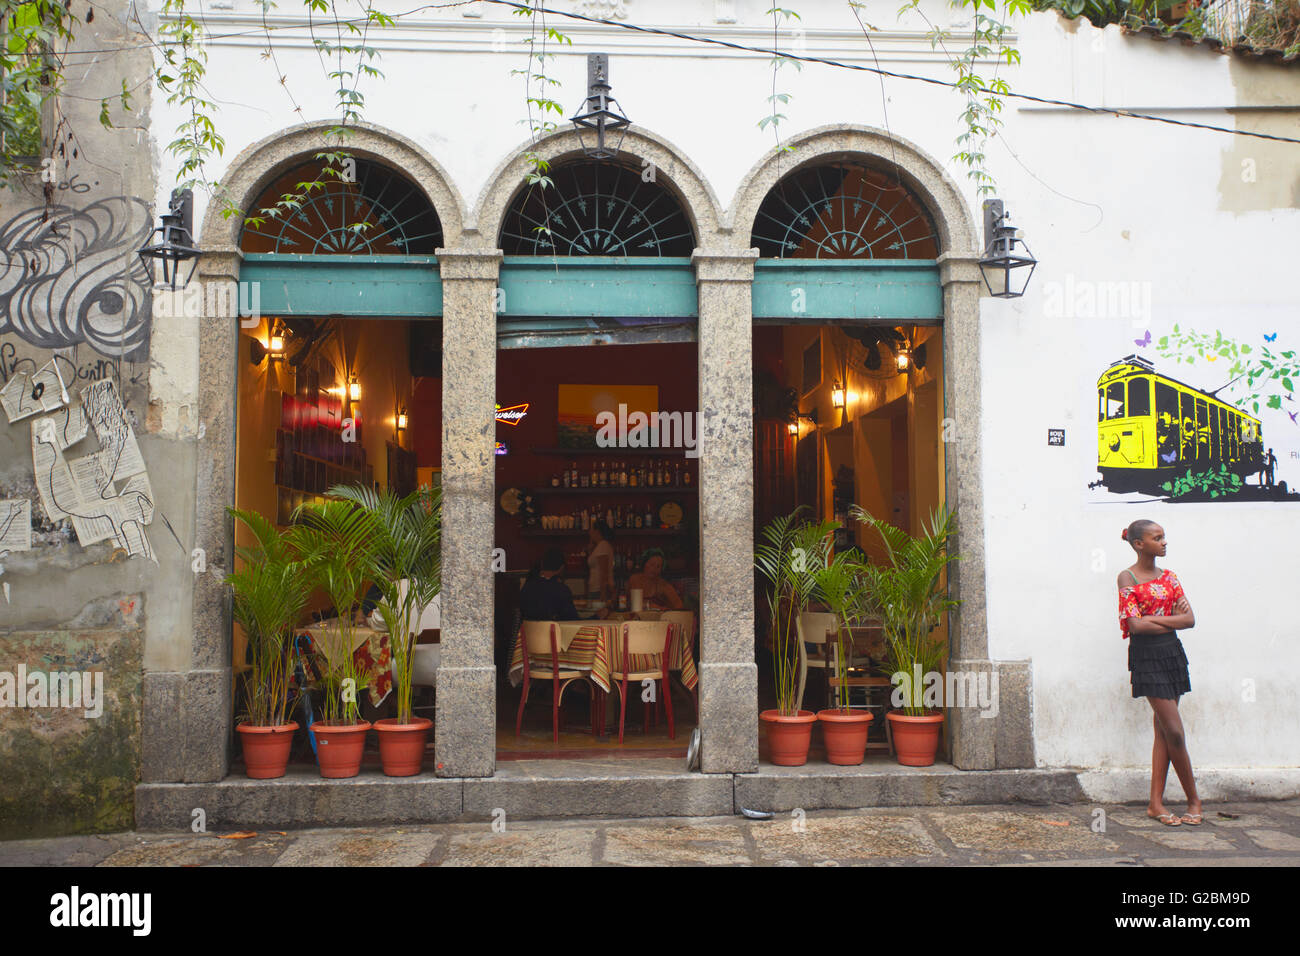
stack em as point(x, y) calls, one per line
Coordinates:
point(1056, 436)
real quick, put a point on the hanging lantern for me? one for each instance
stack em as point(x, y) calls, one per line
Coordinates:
point(601, 114)
point(175, 245)
point(1006, 272)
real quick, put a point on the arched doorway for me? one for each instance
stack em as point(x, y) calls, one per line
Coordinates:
point(862, 296)
point(596, 317)
point(195, 700)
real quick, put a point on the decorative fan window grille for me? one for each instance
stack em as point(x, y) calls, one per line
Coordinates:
point(596, 209)
point(843, 211)
point(400, 219)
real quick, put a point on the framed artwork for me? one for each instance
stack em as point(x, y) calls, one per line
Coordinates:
point(578, 406)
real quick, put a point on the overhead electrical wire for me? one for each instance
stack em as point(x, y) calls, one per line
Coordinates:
point(838, 64)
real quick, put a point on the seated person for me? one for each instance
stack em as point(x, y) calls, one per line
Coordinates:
point(656, 593)
point(544, 597)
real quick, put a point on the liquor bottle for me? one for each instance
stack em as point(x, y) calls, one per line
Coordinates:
point(649, 517)
point(555, 480)
point(600, 476)
point(566, 478)
point(636, 520)
point(573, 472)
point(633, 479)
point(609, 517)
point(686, 476)
point(663, 474)
point(622, 475)
point(586, 519)
point(677, 475)
point(595, 474)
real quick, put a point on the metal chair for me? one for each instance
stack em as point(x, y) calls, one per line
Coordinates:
point(646, 638)
point(541, 647)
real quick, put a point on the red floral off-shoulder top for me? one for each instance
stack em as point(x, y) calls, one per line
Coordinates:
point(1157, 596)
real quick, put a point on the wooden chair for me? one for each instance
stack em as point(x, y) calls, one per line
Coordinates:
point(686, 621)
point(816, 627)
point(644, 638)
point(540, 640)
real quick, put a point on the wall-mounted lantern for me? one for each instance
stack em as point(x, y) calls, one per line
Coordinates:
point(838, 396)
point(1006, 272)
point(903, 358)
point(600, 115)
point(354, 390)
point(175, 243)
point(272, 348)
point(401, 419)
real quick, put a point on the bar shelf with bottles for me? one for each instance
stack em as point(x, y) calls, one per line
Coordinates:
point(631, 480)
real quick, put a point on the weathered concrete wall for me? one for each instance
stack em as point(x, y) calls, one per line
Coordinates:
point(73, 293)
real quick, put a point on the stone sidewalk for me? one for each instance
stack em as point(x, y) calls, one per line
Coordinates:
point(1254, 834)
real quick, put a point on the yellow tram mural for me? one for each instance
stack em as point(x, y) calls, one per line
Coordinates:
point(1152, 428)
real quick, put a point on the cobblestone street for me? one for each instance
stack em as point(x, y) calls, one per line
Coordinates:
point(1249, 834)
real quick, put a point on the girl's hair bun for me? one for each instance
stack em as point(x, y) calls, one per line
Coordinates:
point(1124, 535)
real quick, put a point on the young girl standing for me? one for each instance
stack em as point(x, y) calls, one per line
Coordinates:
point(1152, 608)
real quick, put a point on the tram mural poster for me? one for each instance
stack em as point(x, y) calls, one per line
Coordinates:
point(1192, 413)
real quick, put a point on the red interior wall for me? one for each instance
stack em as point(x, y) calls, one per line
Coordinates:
point(534, 376)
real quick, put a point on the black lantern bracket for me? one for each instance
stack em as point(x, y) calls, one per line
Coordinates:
point(174, 243)
point(600, 115)
point(1006, 270)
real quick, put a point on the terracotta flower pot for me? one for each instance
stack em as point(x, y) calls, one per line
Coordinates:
point(266, 749)
point(339, 748)
point(845, 735)
point(916, 739)
point(788, 738)
point(401, 746)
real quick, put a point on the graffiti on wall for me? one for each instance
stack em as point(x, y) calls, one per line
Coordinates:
point(105, 494)
point(1198, 415)
point(71, 277)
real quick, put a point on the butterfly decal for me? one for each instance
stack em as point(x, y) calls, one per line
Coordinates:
point(1145, 340)
point(1270, 338)
point(1169, 458)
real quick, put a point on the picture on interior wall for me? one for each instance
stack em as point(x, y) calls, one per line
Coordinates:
point(578, 406)
point(1199, 416)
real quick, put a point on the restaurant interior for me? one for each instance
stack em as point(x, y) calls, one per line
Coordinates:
point(836, 422)
point(603, 515)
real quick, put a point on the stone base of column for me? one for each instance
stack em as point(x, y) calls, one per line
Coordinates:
point(465, 732)
point(186, 726)
point(1003, 741)
point(729, 718)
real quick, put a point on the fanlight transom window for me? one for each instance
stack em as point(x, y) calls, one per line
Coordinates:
point(381, 213)
point(596, 209)
point(843, 211)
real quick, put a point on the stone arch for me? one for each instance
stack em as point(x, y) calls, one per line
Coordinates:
point(672, 168)
point(921, 174)
point(259, 163)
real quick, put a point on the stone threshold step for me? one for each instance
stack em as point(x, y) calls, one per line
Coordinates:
point(547, 789)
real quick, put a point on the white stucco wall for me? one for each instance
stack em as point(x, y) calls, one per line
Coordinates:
point(1101, 199)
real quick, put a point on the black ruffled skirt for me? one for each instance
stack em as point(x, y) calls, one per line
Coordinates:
point(1157, 666)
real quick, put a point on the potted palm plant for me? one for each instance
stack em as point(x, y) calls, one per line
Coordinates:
point(406, 565)
point(840, 584)
point(269, 594)
point(910, 597)
point(791, 550)
point(335, 540)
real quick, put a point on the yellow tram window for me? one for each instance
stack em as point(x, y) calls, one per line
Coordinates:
point(1139, 397)
point(1224, 441)
point(1215, 451)
point(1202, 432)
point(1115, 400)
point(1101, 405)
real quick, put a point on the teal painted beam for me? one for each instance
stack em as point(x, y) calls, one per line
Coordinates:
point(804, 290)
point(595, 286)
point(392, 286)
